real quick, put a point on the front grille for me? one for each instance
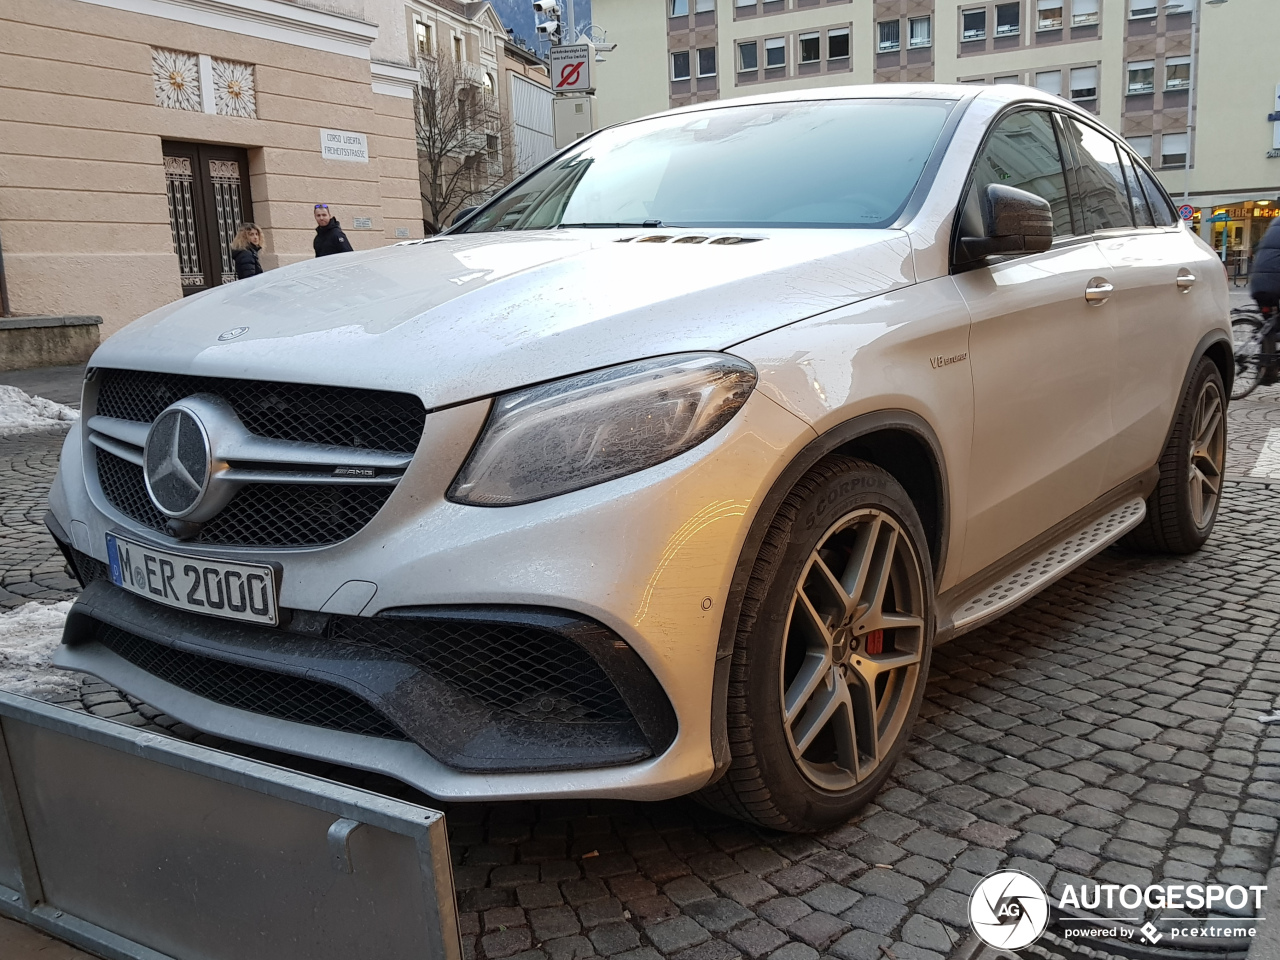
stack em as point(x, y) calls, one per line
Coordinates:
point(518, 669)
point(247, 688)
point(260, 515)
point(308, 413)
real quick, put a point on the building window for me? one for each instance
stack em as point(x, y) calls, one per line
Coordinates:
point(975, 80)
point(974, 25)
point(1177, 73)
point(1177, 6)
point(1050, 81)
point(838, 44)
point(1173, 150)
point(810, 47)
point(679, 8)
point(1143, 8)
point(707, 62)
point(1008, 19)
point(775, 52)
point(459, 49)
point(680, 65)
point(1084, 83)
point(704, 6)
point(1048, 14)
point(422, 38)
point(1142, 76)
point(1013, 79)
point(1141, 146)
point(890, 36)
point(1084, 12)
point(744, 3)
point(747, 56)
point(921, 32)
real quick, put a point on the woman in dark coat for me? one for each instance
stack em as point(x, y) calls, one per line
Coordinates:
point(244, 251)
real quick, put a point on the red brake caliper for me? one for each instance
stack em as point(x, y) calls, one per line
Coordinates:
point(875, 642)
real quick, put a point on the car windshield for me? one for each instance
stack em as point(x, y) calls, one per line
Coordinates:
point(824, 163)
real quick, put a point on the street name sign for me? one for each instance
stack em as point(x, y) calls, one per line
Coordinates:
point(344, 145)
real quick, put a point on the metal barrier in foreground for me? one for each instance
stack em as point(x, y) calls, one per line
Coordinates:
point(135, 846)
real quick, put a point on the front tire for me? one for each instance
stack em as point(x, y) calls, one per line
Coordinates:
point(1182, 508)
point(831, 654)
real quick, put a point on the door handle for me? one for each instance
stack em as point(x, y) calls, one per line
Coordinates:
point(1098, 291)
point(1186, 280)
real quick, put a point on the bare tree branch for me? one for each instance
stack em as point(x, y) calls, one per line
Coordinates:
point(460, 132)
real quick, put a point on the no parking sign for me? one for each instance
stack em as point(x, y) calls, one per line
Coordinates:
point(1186, 211)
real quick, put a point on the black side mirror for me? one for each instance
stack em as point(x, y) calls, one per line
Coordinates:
point(1014, 221)
point(462, 215)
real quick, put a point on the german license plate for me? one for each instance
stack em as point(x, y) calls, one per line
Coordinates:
point(219, 588)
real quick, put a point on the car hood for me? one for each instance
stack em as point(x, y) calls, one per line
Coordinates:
point(457, 318)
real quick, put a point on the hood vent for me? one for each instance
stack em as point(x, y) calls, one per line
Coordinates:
point(668, 238)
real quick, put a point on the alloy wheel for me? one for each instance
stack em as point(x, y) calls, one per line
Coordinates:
point(853, 645)
point(1207, 454)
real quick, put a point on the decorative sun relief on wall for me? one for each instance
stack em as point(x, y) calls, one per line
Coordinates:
point(233, 89)
point(177, 79)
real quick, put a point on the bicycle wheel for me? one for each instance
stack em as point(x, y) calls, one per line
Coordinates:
point(1246, 340)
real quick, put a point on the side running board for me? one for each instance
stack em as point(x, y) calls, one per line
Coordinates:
point(1041, 570)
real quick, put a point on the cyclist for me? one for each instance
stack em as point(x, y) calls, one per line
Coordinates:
point(1264, 287)
point(1264, 275)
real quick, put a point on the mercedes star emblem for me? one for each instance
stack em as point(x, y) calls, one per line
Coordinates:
point(177, 461)
point(232, 333)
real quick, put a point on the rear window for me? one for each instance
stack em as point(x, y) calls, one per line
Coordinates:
point(832, 163)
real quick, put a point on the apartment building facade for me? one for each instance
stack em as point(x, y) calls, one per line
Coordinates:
point(1194, 102)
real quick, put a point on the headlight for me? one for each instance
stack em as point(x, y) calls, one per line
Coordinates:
point(562, 436)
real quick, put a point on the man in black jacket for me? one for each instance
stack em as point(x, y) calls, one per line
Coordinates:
point(1264, 274)
point(329, 236)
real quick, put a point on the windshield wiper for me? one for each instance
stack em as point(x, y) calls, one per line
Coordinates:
point(646, 223)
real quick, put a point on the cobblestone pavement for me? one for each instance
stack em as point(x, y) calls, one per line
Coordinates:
point(1106, 730)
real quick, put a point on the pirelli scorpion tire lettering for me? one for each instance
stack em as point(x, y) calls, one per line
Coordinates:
point(832, 651)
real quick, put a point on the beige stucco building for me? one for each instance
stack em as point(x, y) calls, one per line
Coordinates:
point(1130, 61)
point(135, 136)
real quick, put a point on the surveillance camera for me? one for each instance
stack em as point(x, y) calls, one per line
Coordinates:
point(549, 7)
point(549, 28)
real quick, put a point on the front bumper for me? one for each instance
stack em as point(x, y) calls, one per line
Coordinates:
point(647, 558)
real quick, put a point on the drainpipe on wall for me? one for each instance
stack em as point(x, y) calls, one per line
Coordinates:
point(4, 287)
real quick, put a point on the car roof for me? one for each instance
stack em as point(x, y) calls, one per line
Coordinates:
point(996, 94)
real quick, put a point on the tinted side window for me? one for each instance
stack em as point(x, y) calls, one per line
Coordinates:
point(1137, 201)
point(1161, 209)
point(1100, 178)
point(1022, 152)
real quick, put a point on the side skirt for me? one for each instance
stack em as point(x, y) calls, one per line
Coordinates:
point(998, 589)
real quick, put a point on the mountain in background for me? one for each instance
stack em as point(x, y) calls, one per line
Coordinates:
point(518, 16)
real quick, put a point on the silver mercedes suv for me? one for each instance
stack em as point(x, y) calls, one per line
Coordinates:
point(666, 469)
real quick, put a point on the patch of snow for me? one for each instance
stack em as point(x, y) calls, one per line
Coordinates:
point(20, 413)
point(29, 636)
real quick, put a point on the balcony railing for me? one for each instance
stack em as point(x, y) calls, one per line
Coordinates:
point(1008, 29)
